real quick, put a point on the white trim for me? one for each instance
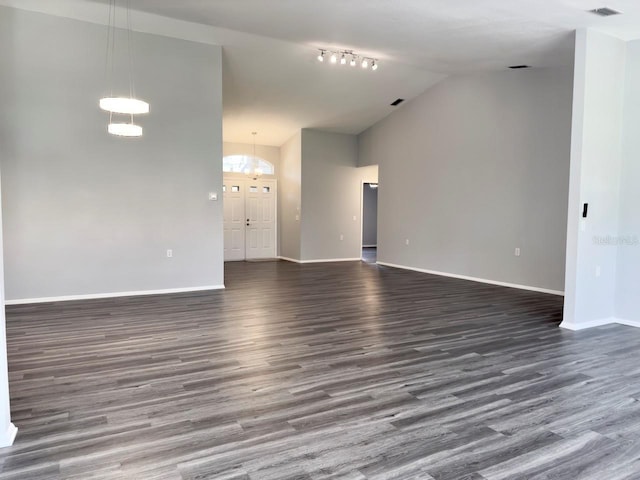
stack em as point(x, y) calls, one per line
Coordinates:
point(598, 323)
point(287, 259)
point(584, 325)
point(93, 296)
point(9, 436)
point(363, 182)
point(332, 260)
point(362, 213)
point(475, 279)
point(323, 260)
point(628, 323)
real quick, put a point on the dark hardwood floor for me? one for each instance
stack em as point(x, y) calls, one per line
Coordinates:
point(344, 370)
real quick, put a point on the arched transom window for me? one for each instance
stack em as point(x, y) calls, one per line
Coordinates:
point(247, 164)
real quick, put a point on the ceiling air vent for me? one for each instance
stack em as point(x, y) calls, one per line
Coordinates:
point(604, 12)
point(519, 67)
point(397, 102)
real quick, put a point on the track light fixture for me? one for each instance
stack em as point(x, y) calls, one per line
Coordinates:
point(365, 62)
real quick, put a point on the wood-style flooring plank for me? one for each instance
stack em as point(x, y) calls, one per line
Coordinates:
point(346, 370)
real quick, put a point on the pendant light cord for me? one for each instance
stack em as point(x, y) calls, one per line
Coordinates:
point(110, 58)
point(254, 145)
point(130, 51)
point(109, 61)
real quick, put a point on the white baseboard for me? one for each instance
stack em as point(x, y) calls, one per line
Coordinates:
point(7, 439)
point(628, 323)
point(333, 260)
point(94, 296)
point(287, 259)
point(475, 279)
point(324, 260)
point(575, 326)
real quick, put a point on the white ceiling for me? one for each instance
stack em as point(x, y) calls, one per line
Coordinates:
point(274, 85)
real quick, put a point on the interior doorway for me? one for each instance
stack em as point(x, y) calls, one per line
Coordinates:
point(249, 218)
point(370, 222)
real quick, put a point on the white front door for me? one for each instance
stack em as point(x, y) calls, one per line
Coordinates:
point(261, 219)
point(257, 230)
point(234, 220)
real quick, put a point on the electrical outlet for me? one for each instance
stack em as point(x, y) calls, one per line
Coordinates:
point(517, 252)
point(598, 271)
point(355, 218)
point(169, 253)
point(341, 237)
point(406, 241)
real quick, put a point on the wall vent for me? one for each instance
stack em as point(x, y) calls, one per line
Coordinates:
point(519, 67)
point(397, 102)
point(604, 12)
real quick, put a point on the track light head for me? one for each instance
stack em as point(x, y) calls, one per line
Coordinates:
point(374, 66)
point(343, 60)
point(321, 56)
point(353, 61)
point(334, 58)
point(365, 63)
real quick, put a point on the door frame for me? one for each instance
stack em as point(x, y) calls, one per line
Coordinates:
point(364, 182)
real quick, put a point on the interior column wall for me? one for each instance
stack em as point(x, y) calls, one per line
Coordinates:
point(332, 196)
point(628, 241)
point(290, 196)
point(596, 163)
point(7, 429)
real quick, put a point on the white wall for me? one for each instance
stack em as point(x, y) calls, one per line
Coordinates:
point(331, 196)
point(628, 261)
point(7, 429)
point(595, 179)
point(473, 168)
point(290, 198)
point(320, 192)
point(86, 213)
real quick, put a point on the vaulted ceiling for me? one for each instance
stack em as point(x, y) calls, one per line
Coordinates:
point(274, 85)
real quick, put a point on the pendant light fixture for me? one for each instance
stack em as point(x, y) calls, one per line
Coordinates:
point(253, 171)
point(121, 105)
